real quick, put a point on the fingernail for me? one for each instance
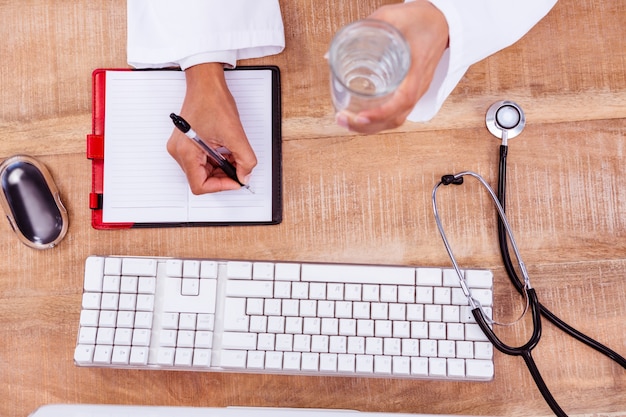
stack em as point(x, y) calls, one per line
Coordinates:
point(342, 120)
point(361, 120)
point(246, 180)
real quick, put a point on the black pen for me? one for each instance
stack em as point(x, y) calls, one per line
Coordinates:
point(217, 157)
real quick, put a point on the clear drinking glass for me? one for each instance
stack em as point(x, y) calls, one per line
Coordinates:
point(368, 60)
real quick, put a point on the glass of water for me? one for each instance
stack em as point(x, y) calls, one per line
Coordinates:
point(368, 60)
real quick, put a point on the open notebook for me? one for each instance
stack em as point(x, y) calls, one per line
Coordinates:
point(137, 183)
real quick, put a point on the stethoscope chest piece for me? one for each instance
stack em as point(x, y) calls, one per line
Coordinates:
point(505, 120)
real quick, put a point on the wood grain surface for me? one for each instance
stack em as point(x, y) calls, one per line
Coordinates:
point(347, 198)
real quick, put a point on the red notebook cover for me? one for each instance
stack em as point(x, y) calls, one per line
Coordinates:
point(95, 152)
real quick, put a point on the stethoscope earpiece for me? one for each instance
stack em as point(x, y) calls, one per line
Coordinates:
point(505, 120)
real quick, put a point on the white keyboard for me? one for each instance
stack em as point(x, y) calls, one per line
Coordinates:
point(282, 317)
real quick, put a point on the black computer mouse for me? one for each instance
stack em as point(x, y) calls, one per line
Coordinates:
point(32, 203)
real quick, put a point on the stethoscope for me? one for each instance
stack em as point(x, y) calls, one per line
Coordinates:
point(506, 120)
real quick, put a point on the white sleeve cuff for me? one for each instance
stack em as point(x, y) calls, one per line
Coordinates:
point(199, 31)
point(477, 29)
point(228, 58)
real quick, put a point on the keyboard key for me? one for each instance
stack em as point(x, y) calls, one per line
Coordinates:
point(94, 269)
point(83, 354)
point(138, 355)
point(143, 320)
point(108, 318)
point(141, 337)
point(205, 322)
point(127, 302)
point(364, 364)
point(482, 369)
point(183, 357)
point(125, 320)
point(202, 358)
point(174, 268)
point(102, 354)
point(239, 340)
point(382, 365)
point(291, 361)
point(145, 302)
point(87, 335)
point(185, 338)
point(109, 301)
point(187, 321)
point(165, 356)
point(208, 269)
point(235, 318)
point(419, 366)
point(91, 300)
point(113, 266)
point(139, 267)
point(233, 358)
point(239, 270)
point(129, 284)
point(302, 343)
point(473, 332)
point(236, 288)
point(346, 363)
point(328, 362)
point(310, 362)
point(123, 337)
point(483, 350)
point(191, 269)
point(464, 349)
point(263, 270)
point(121, 355)
point(204, 339)
point(111, 283)
point(437, 367)
point(146, 285)
point(105, 336)
point(479, 279)
point(358, 273)
point(401, 365)
point(287, 272)
point(429, 276)
point(89, 317)
point(389, 293)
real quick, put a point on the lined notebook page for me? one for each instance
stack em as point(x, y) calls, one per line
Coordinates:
point(144, 184)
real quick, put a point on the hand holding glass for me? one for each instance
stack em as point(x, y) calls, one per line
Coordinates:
point(368, 60)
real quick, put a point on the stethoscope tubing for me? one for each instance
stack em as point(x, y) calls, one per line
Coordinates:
point(510, 270)
point(525, 351)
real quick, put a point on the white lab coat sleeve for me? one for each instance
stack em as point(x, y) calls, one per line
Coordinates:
point(163, 33)
point(477, 29)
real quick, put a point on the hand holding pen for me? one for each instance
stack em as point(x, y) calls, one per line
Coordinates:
point(211, 111)
point(216, 157)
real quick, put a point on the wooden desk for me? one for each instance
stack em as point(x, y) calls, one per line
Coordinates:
point(348, 198)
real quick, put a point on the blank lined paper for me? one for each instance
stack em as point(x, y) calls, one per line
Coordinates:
point(144, 184)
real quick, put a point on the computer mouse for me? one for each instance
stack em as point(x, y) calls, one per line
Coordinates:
point(32, 203)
